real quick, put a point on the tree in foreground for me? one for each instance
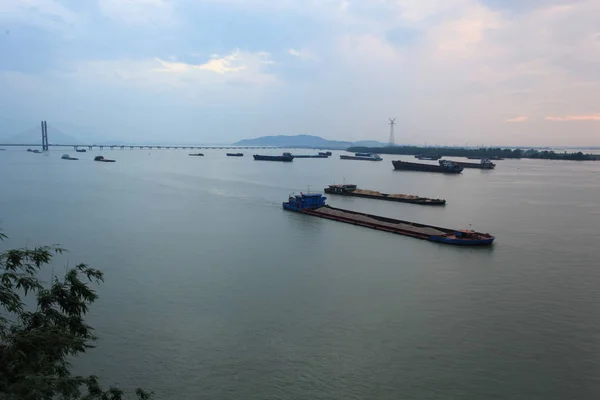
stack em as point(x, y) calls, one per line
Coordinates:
point(36, 341)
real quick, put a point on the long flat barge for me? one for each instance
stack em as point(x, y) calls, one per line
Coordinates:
point(447, 167)
point(352, 190)
point(314, 204)
point(362, 157)
point(311, 155)
point(483, 164)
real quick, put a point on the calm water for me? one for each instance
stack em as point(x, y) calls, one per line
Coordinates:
point(214, 292)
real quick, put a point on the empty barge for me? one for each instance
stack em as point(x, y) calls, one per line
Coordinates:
point(352, 190)
point(314, 204)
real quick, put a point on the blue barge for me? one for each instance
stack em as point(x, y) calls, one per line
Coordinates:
point(314, 204)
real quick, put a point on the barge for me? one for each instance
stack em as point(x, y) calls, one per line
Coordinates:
point(352, 190)
point(102, 159)
point(427, 157)
point(235, 154)
point(483, 164)
point(314, 204)
point(445, 167)
point(362, 156)
point(285, 157)
point(311, 156)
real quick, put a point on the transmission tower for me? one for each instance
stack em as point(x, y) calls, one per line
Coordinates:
point(392, 141)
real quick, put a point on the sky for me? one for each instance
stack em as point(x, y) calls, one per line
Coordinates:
point(452, 72)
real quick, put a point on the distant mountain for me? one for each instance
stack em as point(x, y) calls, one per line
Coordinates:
point(34, 136)
point(304, 141)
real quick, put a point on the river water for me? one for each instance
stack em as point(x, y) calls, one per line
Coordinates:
point(212, 291)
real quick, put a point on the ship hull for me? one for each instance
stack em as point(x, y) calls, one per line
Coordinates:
point(361, 158)
point(384, 196)
point(273, 158)
point(399, 227)
point(408, 166)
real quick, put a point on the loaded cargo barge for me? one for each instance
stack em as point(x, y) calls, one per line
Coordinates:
point(352, 190)
point(445, 167)
point(483, 164)
point(314, 204)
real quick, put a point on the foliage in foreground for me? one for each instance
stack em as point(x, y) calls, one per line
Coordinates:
point(35, 344)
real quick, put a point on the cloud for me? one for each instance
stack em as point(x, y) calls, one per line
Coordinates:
point(138, 12)
point(304, 55)
point(594, 117)
point(517, 119)
point(48, 14)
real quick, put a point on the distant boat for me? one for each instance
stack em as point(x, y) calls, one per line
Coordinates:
point(68, 157)
point(285, 157)
point(320, 155)
point(362, 156)
point(428, 157)
point(235, 154)
point(446, 167)
point(36, 151)
point(81, 150)
point(352, 190)
point(102, 159)
point(483, 164)
point(197, 154)
point(325, 153)
point(29, 150)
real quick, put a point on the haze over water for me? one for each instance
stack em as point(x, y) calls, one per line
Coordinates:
point(212, 291)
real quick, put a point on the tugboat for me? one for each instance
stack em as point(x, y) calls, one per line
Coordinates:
point(352, 190)
point(68, 157)
point(445, 167)
point(235, 154)
point(483, 164)
point(285, 157)
point(314, 204)
point(362, 156)
point(102, 159)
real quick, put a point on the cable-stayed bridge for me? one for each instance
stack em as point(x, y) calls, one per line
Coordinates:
point(24, 139)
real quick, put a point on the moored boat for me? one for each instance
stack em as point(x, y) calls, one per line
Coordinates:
point(362, 156)
point(311, 156)
point(352, 190)
point(427, 157)
point(314, 204)
point(285, 157)
point(483, 164)
point(447, 167)
point(102, 159)
point(235, 154)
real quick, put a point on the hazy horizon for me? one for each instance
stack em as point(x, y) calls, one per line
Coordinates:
point(482, 72)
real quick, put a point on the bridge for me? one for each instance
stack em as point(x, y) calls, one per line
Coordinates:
point(45, 145)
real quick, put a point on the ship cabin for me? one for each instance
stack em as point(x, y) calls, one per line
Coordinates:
point(305, 201)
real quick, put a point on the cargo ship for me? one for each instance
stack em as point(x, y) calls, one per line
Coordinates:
point(427, 157)
point(235, 154)
point(495, 158)
point(285, 157)
point(352, 190)
point(445, 167)
point(314, 204)
point(362, 156)
point(483, 164)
